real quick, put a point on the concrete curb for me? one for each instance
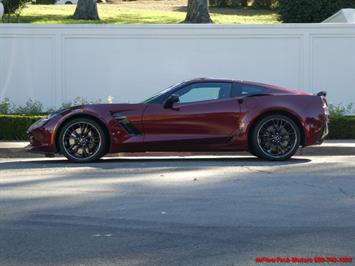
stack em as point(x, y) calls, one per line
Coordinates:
point(329, 148)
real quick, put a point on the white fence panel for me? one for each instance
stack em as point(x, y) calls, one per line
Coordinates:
point(56, 63)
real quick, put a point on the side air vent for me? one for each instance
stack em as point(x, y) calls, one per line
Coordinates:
point(126, 124)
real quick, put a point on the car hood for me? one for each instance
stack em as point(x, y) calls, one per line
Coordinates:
point(104, 109)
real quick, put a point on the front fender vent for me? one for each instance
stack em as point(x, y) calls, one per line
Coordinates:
point(124, 122)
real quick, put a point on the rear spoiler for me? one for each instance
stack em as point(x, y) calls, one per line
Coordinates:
point(322, 93)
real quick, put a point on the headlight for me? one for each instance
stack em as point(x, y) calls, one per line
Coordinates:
point(38, 124)
point(43, 121)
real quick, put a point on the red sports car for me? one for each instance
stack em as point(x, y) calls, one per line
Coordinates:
point(196, 115)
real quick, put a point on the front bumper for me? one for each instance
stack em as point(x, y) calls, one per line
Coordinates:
point(39, 142)
point(39, 150)
point(41, 138)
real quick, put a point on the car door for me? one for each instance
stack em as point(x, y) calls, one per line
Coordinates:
point(206, 117)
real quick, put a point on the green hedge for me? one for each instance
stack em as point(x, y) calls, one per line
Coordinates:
point(14, 127)
point(310, 11)
point(44, 2)
point(342, 128)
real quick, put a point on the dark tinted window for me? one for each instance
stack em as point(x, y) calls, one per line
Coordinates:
point(240, 89)
point(199, 92)
point(248, 89)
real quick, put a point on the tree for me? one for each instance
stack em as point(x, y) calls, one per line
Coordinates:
point(13, 7)
point(87, 10)
point(197, 12)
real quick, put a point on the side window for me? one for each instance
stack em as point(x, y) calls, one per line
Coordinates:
point(199, 92)
point(248, 89)
point(236, 89)
point(241, 89)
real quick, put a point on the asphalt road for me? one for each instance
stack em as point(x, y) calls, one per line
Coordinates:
point(176, 211)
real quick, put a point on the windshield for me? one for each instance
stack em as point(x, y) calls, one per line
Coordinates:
point(155, 96)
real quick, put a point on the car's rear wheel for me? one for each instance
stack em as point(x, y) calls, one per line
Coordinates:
point(275, 138)
point(82, 140)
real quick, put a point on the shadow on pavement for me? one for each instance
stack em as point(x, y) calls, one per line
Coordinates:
point(151, 162)
point(327, 151)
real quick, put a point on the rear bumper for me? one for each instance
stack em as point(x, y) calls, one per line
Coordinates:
point(323, 134)
point(316, 130)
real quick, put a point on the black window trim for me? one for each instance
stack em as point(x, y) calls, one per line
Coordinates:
point(168, 94)
point(240, 86)
point(236, 87)
point(206, 82)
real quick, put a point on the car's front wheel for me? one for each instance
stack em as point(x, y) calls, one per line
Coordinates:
point(275, 138)
point(82, 140)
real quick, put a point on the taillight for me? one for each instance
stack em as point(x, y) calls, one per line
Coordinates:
point(324, 100)
point(325, 105)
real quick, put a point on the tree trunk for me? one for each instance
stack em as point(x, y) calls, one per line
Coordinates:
point(86, 9)
point(244, 3)
point(197, 12)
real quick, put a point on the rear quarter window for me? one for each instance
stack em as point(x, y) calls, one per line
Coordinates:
point(248, 89)
point(240, 89)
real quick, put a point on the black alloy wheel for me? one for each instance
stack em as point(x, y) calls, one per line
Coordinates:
point(82, 140)
point(276, 138)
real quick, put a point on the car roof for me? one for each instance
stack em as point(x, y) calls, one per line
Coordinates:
point(213, 80)
point(279, 88)
point(229, 80)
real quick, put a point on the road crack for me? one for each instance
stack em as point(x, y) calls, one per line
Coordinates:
point(349, 195)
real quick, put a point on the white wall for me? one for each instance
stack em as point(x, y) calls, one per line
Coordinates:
point(56, 63)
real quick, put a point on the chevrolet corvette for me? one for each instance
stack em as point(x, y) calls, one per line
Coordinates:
point(200, 115)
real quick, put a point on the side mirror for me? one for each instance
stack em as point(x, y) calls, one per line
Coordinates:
point(171, 100)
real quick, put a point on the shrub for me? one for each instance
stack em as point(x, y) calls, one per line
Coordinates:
point(229, 3)
point(45, 2)
point(340, 110)
point(218, 3)
point(5, 106)
point(14, 127)
point(30, 107)
point(260, 4)
point(77, 101)
point(223, 3)
point(310, 11)
point(342, 127)
point(265, 4)
point(34, 107)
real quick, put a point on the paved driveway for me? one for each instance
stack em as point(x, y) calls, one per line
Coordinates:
point(176, 211)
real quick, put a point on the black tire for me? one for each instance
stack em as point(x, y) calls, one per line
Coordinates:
point(82, 140)
point(275, 138)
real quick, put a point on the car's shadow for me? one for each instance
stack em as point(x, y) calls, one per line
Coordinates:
point(150, 162)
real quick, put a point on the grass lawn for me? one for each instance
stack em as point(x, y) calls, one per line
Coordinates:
point(143, 12)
